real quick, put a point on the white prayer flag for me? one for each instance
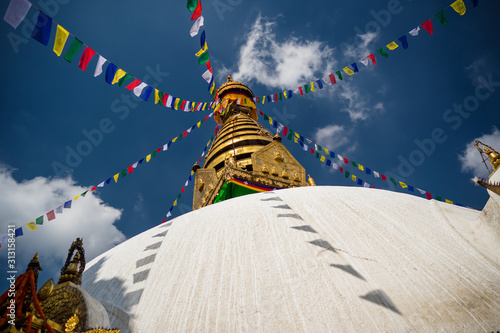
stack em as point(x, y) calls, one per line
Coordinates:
point(366, 184)
point(335, 166)
point(169, 214)
point(414, 32)
point(305, 147)
point(280, 128)
point(187, 106)
point(364, 61)
point(135, 164)
point(139, 88)
point(326, 80)
point(187, 183)
point(169, 101)
point(98, 67)
point(196, 26)
point(16, 12)
point(165, 147)
point(59, 210)
point(340, 157)
point(376, 174)
point(421, 191)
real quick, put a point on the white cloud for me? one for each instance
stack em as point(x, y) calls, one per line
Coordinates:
point(361, 48)
point(89, 217)
point(470, 158)
point(477, 68)
point(357, 104)
point(331, 136)
point(285, 64)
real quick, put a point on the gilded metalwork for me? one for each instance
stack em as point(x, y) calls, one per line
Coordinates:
point(284, 174)
point(491, 154)
point(311, 181)
point(71, 323)
point(73, 269)
point(277, 156)
point(493, 187)
point(264, 170)
point(45, 290)
point(34, 265)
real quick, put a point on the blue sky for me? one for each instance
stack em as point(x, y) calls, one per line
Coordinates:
point(379, 117)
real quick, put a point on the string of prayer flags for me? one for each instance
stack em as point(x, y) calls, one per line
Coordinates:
point(16, 12)
point(190, 178)
point(318, 151)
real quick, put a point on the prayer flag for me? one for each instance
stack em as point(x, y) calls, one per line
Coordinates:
point(133, 85)
point(191, 5)
point(307, 88)
point(312, 86)
point(67, 204)
point(73, 49)
point(32, 226)
point(61, 38)
point(394, 181)
point(130, 169)
point(339, 75)
point(76, 198)
point(207, 76)
point(427, 25)
point(383, 53)
point(360, 167)
point(410, 188)
point(59, 209)
point(404, 40)
point(203, 58)
point(332, 79)
point(157, 96)
point(474, 2)
point(196, 26)
point(403, 185)
point(146, 93)
point(196, 12)
point(384, 177)
point(88, 53)
point(110, 72)
point(19, 231)
point(441, 16)
point(414, 32)
point(448, 201)
point(203, 49)
point(98, 67)
point(124, 79)
point(392, 46)
point(51, 215)
point(346, 161)
point(372, 58)
point(355, 67)
point(439, 198)
point(42, 29)
point(428, 195)
point(115, 177)
point(16, 12)
point(348, 70)
point(368, 171)
point(123, 173)
point(118, 75)
point(360, 181)
point(364, 61)
point(323, 158)
point(459, 6)
point(39, 220)
point(139, 88)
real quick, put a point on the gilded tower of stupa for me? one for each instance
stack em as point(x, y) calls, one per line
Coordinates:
point(244, 157)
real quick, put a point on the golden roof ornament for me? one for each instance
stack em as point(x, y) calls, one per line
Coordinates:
point(73, 268)
point(311, 181)
point(71, 323)
point(491, 154)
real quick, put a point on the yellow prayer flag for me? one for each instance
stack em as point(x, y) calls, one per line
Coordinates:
point(32, 226)
point(192, 172)
point(157, 96)
point(326, 151)
point(61, 38)
point(199, 124)
point(361, 167)
point(264, 100)
point(392, 46)
point(348, 70)
point(175, 203)
point(115, 177)
point(176, 104)
point(203, 49)
point(353, 178)
point(297, 135)
point(76, 198)
point(285, 93)
point(295, 139)
point(208, 143)
point(270, 120)
point(193, 106)
point(403, 185)
point(323, 158)
point(174, 139)
point(312, 86)
point(448, 201)
point(459, 7)
point(119, 74)
point(148, 158)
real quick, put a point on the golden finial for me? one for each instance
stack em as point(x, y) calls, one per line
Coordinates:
point(274, 172)
point(492, 154)
point(196, 166)
point(265, 170)
point(277, 137)
point(284, 174)
point(311, 181)
point(229, 79)
point(296, 177)
point(71, 323)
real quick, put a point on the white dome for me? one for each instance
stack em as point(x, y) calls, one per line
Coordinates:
point(318, 259)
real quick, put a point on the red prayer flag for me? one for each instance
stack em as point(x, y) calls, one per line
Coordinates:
point(427, 25)
point(332, 78)
point(209, 66)
point(164, 220)
point(199, 160)
point(164, 99)
point(206, 118)
point(134, 84)
point(275, 97)
point(341, 169)
point(183, 189)
point(159, 149)
point(311, 150)
point(85, 59)
point(130, 169)
point(184, 134)
point(285, 131)
point(372, 58)
point(346, 161)
point(51, 215)
point(300, 89)
point(93, 188)
point(183, 104)
point(197, 12)
point(261, 113)
point(429, 196)
point(384, 177)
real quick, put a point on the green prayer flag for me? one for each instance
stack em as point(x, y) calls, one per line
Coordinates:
point(347, 173)
point(317, 155)
point(73, 49)
point(266, 117)
point(353, 164)
point(153, 154)
point(383, 53)
point(84, 193)
point(394, 181)
point(191, 5)
point(203, 58)
point(441, 16)
point(160, 94)
point(320, 148)
point(121, 83)
point(439, 198)
point(179, 196)
point(180, 137)
point(39, 220)
point(281, 96)
point(290, 135)
point(307, 87)
point(123, 173)
point(339, 75)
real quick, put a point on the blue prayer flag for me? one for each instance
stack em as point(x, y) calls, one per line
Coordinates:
point(146, 93)
point(320, 84)
point(110, 72)
point(67, 204)
point(42, 29)
point(19, 231)
point(368, 171)
point(404, 41)
point(355, 67)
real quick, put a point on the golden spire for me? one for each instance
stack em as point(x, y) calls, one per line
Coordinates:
point(491, 153)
